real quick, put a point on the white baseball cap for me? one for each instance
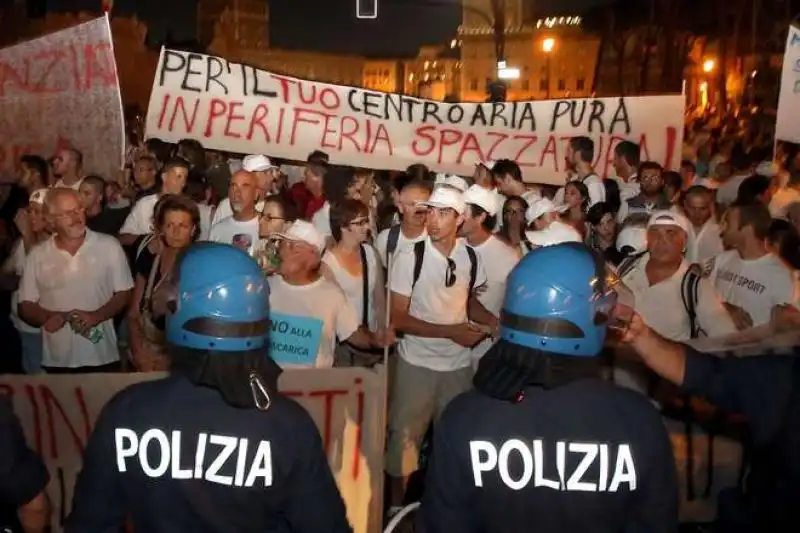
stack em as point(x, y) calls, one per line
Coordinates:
point(300, 230)
point(768, 169)
point(542, 206)
point(451, 180)
point(669, 218)
point(489, 164)
point(555, 233)
point(446, 198)
point(38, 196)
point(634, 237)
point(257, 163)
point(483, 198)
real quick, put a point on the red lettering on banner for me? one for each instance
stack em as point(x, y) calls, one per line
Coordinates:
point(307, 93)
point(50, 402)
point(217, 108)
point(232, 116)
point(57, 70)
point(10, 154)
point(188, 122)
point(329, 395)
point(257, 119)
point(471, 144)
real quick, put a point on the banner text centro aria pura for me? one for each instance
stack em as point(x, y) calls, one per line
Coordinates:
point(238, 108)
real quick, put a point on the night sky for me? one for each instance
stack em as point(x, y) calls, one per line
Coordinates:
point(401, 28)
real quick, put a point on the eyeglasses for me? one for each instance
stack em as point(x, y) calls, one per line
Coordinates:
point(360, 222)
point(450, 274)
point(270, 218)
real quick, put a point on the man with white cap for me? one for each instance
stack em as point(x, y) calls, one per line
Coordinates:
point(497, 257)
point(658, 280)
point(544, 216)
point(485, 178)
point(266, 173)
point(451, 180)
point(310, 304)
point(434, 304)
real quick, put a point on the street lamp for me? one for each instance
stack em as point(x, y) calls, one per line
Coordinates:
point(708, 65)
point(547, 47)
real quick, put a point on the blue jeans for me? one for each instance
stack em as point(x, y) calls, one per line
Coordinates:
point(31, 352)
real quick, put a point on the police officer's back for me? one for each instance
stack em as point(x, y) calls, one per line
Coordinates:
point(213, 447)
point(543, 444)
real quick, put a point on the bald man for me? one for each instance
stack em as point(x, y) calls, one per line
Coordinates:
point(72, 286)
point(241, 228)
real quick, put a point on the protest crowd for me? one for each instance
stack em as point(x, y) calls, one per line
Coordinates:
point(416, 271)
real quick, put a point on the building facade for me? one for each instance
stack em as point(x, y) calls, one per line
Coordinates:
point(384, 75)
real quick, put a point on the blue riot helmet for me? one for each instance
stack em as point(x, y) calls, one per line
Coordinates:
point(221, 301)
point(558, 300)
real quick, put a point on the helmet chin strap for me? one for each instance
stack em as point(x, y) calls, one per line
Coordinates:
point(260, 394)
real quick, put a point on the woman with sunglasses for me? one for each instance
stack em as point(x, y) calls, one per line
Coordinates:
point(513, 229)
point(354, 265)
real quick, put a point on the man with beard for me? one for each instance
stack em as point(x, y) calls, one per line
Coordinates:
point(543, 443)
point(651, 196)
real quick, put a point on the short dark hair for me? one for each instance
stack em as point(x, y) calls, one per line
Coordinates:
point(343, 213)
point(37, 164)
point(596, 213)
point(195, 153)
point(289, 210)
point(489, 222)
point(507, 166)
point(95, 181)
point(630, 152)
point(176, 162)
point(649, 165)
point(698, 190)
point(672, 179)
point(77, 155)
point(583, 190)
point(754, 214)
point(689, 164)
point(418, 171)
point(584, 146)
point(424, 185)
point(337, 181)
point(159, 149)
point(318, 157)
point(752, 187)
point(176, 202)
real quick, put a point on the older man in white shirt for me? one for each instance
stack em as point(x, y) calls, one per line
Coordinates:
point(266, 173)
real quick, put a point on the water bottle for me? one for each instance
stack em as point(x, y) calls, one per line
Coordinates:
point(94, 334)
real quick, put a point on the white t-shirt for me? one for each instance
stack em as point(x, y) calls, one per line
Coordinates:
point(628, 189)
point(704, 244)
point(556, 233)
point(353, 286)
point(755, 285)
point(661, 305)
point(75, 186)
point(729, 190)
point(140, 219)
point(783, 198)
point(206, 213)
point(322, 299)
point(86, 281)
point(322, 220)
point(498, 259)
point(243, 235)
point(17, 263)
point(224, 210)
point(435, 303)
point(403, 242)
point(597, 191)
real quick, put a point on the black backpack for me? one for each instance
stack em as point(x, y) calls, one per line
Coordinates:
point(419, 255)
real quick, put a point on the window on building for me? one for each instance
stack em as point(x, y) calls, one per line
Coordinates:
point(526, 85)
point(543, 83)
point(473, 84)
point(580, 84)
point(562, 84)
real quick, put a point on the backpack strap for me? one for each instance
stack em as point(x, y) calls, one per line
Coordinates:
point(473, 269)
point(391, 242)
point(365, 287)
point(627, 264)
point(145, 242)
point(690, 294)
point(419, 255)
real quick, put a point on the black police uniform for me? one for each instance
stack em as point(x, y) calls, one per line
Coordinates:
point(23, 475)
point(584, 456)
point(766, 389)
point(201, 465)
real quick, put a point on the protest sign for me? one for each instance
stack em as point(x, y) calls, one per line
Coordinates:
point(58, 413)
point(238, 108)
point(294, 340)
point(62, 90)
point(787, 127)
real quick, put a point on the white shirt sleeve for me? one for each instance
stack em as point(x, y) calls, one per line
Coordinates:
point(622, 214)
point(597, 191)
point(121, 278)
point(28, 285)
point(381, 242)
point(403, 272)
point(711, 314)
point(322, 221)
point(223, 211)
point(140, 219)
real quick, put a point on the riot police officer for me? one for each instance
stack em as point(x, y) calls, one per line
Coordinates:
point(543, 443)
point(213, 447)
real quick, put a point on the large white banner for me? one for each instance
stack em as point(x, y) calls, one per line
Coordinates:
point(59, 412)
point(238, 108)
point(787, 127)
point(61, 90)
